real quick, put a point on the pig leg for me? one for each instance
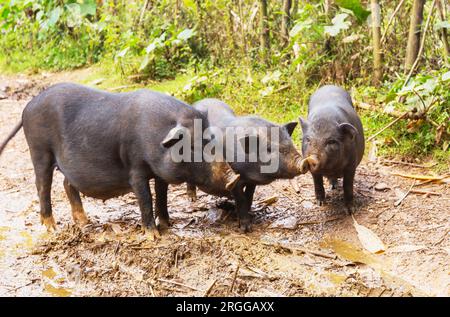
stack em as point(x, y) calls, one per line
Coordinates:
point(349, 176)
point(333, 182)
point(191, 192)
point(318, 189)
point(242, 207)
point(249, 191)
point(43, 167)
point(78, 214)
point(141, 188)
point(161, 203)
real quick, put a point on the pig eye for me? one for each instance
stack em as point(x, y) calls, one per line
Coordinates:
point(307, 139)
point(332, 142)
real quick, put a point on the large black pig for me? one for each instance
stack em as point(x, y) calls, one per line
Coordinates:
point(333, 140)
point(221, 116)
point(108, 144)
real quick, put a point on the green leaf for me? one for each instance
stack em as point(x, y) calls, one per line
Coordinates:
point(186, 34)
point(122, 53)
point(441, 25)
point(144, 62)
point(339, 24)
point(54, 16)
point(446, 76)
point(88, 7)
point(356, 7)
point(74, 17)
point(300, 26)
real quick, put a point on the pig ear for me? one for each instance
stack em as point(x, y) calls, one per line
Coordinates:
point(349, 130)
point(290, 127)
point(247, 141)
point(304, 123)
point(174, 135)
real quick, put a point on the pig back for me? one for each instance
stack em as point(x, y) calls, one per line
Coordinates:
point(335, 104)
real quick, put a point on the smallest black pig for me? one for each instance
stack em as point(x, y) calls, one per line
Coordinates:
point(333, 140)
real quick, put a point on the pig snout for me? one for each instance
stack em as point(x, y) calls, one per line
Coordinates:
point(224, 174)
point(310, 163)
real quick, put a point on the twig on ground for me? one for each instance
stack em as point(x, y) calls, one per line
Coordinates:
point(301, 249)
point(151, 290)
point(425, 192)
point(408, 164)
point(398, 202)
point(178, 284)
point(426, 178)
point(208, 290)
point(318, 222)
point(234, 280)
point(442, 239)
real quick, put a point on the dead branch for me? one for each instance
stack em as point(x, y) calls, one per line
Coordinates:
point(301, 250)
point(230, 291)
point(408, 164)
point(425, 192)
point(388, 126)
point(398, 202)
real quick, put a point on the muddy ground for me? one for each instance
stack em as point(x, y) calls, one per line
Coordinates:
point(296, 248)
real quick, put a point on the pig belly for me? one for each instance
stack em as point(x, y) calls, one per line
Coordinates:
point(101, 184)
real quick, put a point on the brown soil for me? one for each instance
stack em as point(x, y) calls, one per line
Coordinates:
point(295, 249)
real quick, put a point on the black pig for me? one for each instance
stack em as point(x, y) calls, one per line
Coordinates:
point(220, 115)
point(108, 144)
point(333, 140)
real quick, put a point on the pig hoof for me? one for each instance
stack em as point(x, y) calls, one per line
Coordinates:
point(245, 226)
point(49, 223)
point(80, 219)
point(191, 192)
point(164, 224)
point(349, 209)
point(320, 202)
point(152, 234)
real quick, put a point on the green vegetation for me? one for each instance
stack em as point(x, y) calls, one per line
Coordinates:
point(204, 48)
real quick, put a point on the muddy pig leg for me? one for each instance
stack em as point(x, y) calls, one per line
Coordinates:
point(141, 188)
point(161, 203)
point(78, 214)
point(349, 176)
point(242, 208)
point(191, 192)
point(318, 189)
point(43, 168)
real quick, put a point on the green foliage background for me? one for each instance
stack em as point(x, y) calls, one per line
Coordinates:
point(209, 48)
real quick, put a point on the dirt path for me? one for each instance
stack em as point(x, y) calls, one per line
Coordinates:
point(296, 248)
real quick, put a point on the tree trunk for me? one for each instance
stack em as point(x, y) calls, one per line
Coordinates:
point(294, 9)
point(376, 36)
point(412, 48)
point(443, 31)
point(285, 21)
point(264, 29)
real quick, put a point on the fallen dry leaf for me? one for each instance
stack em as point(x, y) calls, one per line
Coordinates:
point(269, 201)
point(369, 240)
